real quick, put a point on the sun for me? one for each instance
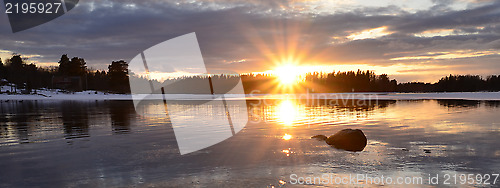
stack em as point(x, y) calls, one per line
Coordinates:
point(287, 74)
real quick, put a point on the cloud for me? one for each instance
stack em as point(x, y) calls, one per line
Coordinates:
point(448, 55)
point(370, 33)
point(266, 33)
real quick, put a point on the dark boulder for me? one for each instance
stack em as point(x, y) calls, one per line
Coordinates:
point(346, 139)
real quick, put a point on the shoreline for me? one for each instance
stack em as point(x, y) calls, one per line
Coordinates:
point(90, 95)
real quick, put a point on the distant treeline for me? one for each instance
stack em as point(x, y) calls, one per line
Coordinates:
point(454, 83)
point(73, 75)
point(367, 81)
point(360, 81)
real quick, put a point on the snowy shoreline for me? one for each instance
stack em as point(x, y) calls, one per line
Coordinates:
point(94, 95)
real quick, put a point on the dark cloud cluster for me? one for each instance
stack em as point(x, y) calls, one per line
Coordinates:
point(232, 30)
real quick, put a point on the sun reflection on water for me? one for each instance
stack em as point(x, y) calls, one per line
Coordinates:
point(287, 137)
point(287, 112)
point(287, 151)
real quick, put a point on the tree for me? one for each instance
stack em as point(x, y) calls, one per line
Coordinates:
point(16, 61)
point(493, 83)
point(15, 70)
point(118, 76)
point(461, 83)
point(74, 67)
point(63, 64)
point(98, 80)
point(3, 70)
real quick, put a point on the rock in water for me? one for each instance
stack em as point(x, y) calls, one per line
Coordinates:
point(320, 137)
point(346, 139)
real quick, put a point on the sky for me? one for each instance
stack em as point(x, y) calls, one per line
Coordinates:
point(410, 40)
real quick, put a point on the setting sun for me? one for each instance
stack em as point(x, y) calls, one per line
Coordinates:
point(287, 74)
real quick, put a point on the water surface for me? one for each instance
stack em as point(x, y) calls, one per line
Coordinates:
point(105, 143)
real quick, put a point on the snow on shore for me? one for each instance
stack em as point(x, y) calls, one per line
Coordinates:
point(55, 94)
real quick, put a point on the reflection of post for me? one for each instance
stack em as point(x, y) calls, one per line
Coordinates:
point(228, 115)
point(225, 105)
point(165, 103)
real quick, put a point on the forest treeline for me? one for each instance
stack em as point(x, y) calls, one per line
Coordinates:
point(28, 76)
point(72, 74)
